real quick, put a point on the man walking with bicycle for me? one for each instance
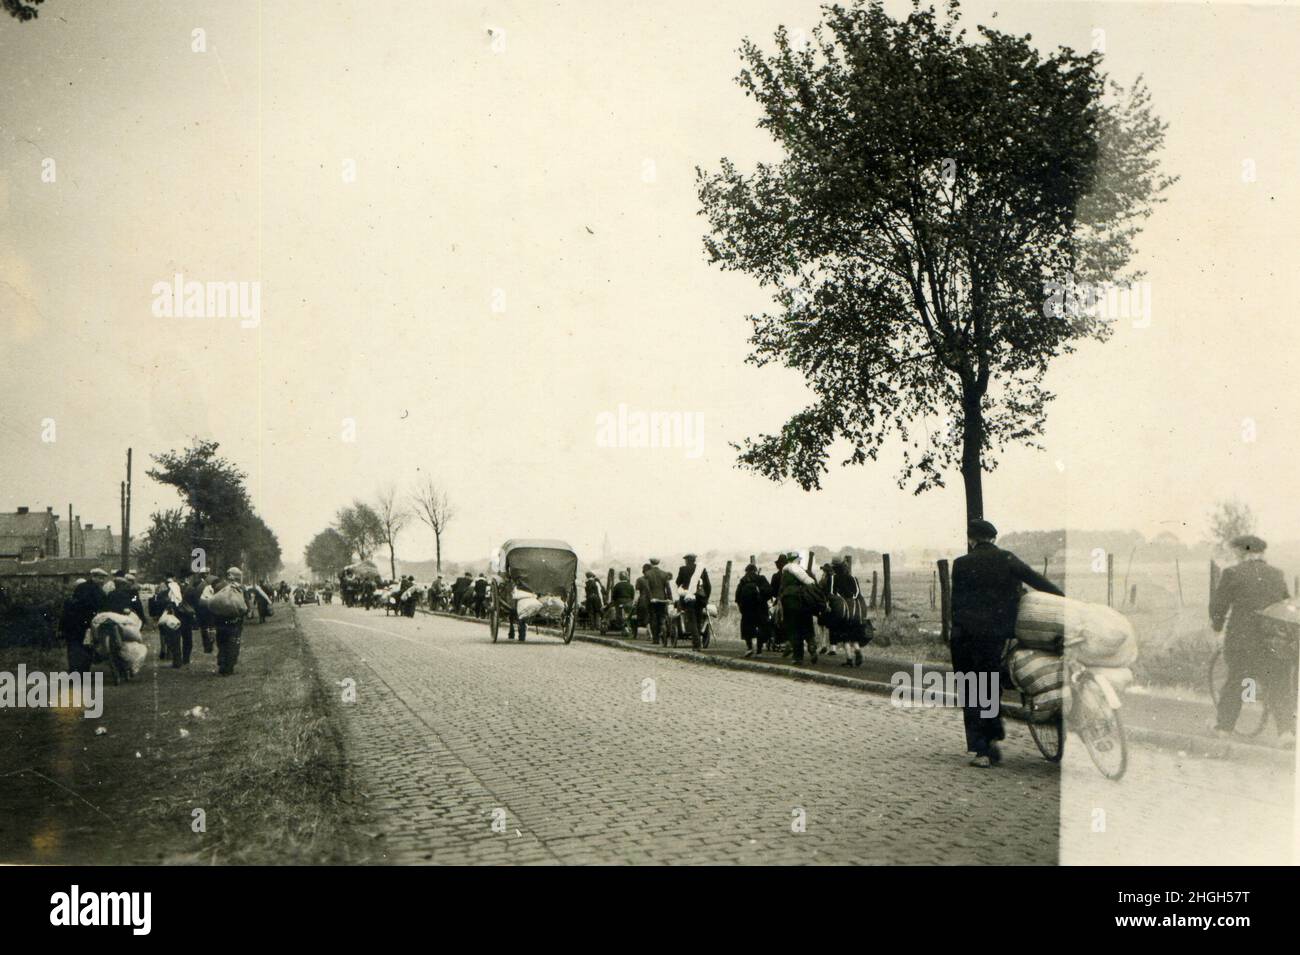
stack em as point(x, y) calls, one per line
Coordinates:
point(986, 586)
point(1249, 586)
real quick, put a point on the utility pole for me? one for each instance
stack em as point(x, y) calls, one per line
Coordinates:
point(126, 515)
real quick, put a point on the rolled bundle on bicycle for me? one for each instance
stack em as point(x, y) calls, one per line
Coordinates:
point(1048, 626)
point(1091, 634)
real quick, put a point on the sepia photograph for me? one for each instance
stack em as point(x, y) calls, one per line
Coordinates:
point(596, 433)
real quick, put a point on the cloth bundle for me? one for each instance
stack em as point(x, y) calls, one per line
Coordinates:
point(127, 624)
point(134, 654)
point(228, 603)
point(169, 621)
point(1092, 634)
point(1040, 675)
point(526, 605)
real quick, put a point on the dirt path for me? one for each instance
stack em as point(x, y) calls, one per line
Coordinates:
point(262, 771)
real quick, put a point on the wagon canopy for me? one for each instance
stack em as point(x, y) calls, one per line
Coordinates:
point(363, 569)
point(539, 566)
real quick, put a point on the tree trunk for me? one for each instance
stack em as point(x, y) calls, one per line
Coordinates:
point(437, 544)
point(392, 562)
point(972, 473)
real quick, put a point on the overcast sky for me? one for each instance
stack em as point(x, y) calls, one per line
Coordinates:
point(553, 161)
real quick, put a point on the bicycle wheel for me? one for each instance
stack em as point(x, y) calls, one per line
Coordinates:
point(1254, 713)
point(1099, 727)
point(1048, 731)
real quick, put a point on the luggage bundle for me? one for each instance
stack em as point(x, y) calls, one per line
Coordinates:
point(1093, 635)
point(1040, 674)
point(127, 624)
point(228, 603)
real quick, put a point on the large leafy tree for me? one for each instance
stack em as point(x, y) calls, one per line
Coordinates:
point(933, 190)
point(164, 548)
point(22, 10)
point(218, 515)
point(328, 553)
point(360, 527)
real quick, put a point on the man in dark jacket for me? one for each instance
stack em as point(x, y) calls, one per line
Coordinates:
point(1246, 587)
point(594, 601)
point(230, 630)
point(693, 590)
point(621, 599)
point(986, 586)
point(86, 600)
point(642, 591)
point(752, 595)
point(481, 596)
point(660, 586)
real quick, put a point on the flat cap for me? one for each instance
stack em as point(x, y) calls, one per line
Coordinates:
point(1250, 544)
point(981, 530)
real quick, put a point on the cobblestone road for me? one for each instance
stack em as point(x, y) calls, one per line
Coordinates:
point(561, 749)
point(448, 729)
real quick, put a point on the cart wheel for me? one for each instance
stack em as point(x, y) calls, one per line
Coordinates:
point(494, 621)
point(570, 624)
point(707, 636)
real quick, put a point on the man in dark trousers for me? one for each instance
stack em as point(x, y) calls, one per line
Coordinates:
point(693, 589)
point(660, 586)
point(481, 596)
point(986, 586)
point(86, 600)
point(752, 594)
point(642, 614)
point(1249, 586)
point(621, 600)
point(595, 602)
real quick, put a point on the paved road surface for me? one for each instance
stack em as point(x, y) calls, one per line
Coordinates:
point(474, 752)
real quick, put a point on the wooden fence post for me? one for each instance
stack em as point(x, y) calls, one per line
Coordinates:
point(726, 590)
point(609, 583)
point(945, 601)
point(886, 594)
point(875, 579)
point(1178, 572)
point(1110, 579)
point(934, 590)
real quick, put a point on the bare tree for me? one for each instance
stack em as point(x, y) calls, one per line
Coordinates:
point(392, 518)
point(433, 508)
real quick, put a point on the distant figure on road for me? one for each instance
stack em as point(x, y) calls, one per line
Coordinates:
point(752, 594)
point(480, 596)
point(848, 628)
point(1244, 588)
point(693, 590)
point(595, 602)
point(642, 604)
point(622, 599)
point(660, 585)
point(230, 629)
point(86, 600)
point(800, 601)
point(986, 586)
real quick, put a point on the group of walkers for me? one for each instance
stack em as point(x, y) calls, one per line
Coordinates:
point(779, 613)
point(105, 609)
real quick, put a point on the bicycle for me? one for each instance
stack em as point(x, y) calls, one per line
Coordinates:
point(1255, 713)
point(1090, 710)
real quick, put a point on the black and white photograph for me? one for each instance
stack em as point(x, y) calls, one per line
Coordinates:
point(590, 433)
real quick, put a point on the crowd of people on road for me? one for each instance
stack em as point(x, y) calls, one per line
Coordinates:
point(105, 612)
point(778, 613)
